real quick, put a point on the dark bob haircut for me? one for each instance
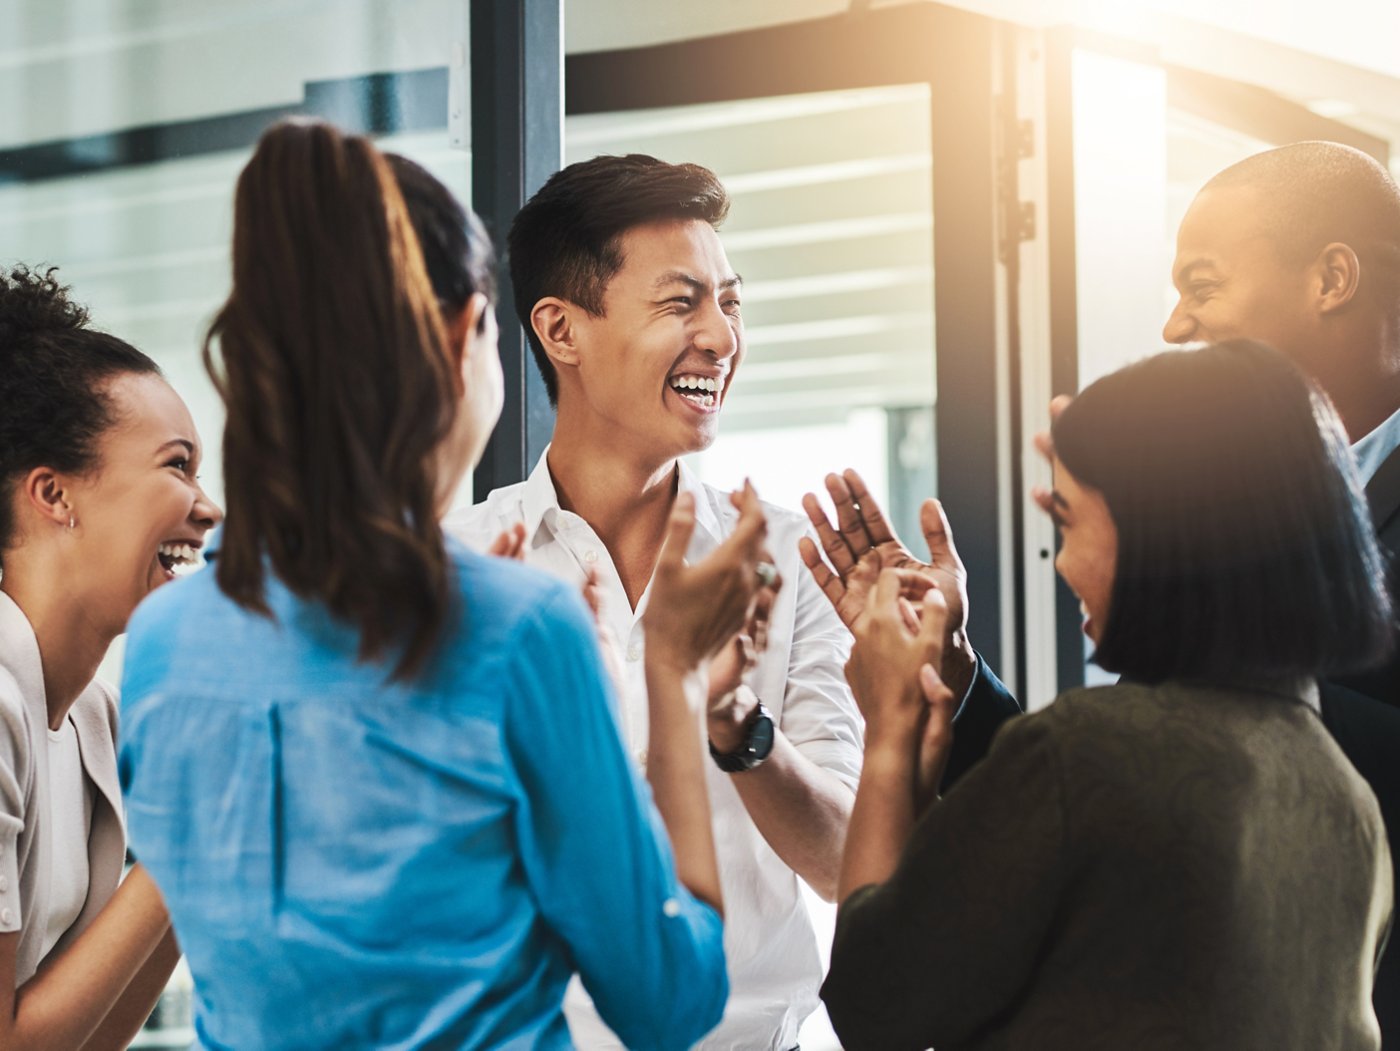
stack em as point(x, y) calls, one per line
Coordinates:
point(565, 241)
point(1245, 547)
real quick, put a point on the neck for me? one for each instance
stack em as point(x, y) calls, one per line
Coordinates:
point(1365, 404)
point(1365, 389)
point(71, 643)
point(623, 494)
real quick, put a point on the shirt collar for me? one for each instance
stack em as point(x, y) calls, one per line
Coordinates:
point(1372, 450)
point(540, 501)
point(19, 654)
point(707, 515)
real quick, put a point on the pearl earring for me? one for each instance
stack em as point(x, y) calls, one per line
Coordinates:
point(70, 522)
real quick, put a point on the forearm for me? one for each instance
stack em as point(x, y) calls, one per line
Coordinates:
point(882, 818)
point(125, 1020)
point(802, 812)
point(63, 1005)
point(675, 769)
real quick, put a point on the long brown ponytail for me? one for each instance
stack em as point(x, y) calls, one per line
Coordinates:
point(338, 389)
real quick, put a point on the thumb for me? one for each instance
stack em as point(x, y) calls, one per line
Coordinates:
point(933, 621)
point(940, 699)
point(678, 533)
point(938, 534)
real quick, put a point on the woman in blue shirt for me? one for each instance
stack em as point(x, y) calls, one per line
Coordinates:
point(378, 777)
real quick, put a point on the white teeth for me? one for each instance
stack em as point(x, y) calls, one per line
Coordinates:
point(180, 554)
point(696, 383)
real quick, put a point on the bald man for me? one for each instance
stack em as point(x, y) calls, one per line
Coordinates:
point(1300, 247)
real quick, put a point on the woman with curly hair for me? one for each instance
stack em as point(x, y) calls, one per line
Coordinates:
point(99, 504)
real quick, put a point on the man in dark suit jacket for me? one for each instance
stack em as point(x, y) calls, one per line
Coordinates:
point(1300, 247)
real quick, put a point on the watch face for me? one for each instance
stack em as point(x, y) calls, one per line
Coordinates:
point(761, 736)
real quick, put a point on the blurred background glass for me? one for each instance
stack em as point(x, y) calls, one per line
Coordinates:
point(126, 122)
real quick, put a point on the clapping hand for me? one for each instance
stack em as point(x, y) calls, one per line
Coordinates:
point(892, 672)
point(510, 544)
point(864, 545)
point(696, 611)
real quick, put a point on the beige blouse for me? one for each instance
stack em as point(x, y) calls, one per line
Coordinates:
point(26, 833)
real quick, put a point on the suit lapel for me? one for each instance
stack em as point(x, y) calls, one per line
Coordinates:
point(1383, 492)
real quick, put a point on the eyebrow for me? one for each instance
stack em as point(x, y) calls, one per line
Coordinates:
point(681, 277)
point(1183, 272)
point(189, 445)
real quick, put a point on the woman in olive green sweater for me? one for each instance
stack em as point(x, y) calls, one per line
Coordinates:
point(1182, 860)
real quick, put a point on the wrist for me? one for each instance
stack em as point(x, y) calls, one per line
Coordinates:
point(753, 747)
point(959, 665)
point(888, 761)
point(664, 679)
point(727, 722)
point(894, 731)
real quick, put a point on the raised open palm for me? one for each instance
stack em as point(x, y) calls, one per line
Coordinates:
point(863, 543)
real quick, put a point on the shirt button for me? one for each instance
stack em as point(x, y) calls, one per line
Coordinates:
point(634, 652)
point(590, 557)
point(7, 916)
point(671, 908)
point(642, 757)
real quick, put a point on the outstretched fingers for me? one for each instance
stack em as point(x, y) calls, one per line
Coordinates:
point(938, 534)
point(876, 526)
point(848, 516)
point(838, 552)
point(831, 585)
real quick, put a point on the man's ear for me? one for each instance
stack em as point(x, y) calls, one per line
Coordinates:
point(44, 493)
point(1339, 276)
point(555, 323)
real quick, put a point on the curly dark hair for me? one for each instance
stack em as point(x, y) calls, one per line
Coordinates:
point(54, 374)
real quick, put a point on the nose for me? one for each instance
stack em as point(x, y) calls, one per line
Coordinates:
point(1180, 326)
point(205, 512)
point(719, 332)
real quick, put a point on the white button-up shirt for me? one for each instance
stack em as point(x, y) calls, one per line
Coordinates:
point(774, 970)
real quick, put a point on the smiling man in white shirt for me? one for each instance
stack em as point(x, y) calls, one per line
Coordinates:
point(634, 316)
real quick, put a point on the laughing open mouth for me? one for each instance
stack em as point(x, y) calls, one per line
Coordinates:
point(702, 390)
point(175, 556)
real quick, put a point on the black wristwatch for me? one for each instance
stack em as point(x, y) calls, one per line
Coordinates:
point(755, 748)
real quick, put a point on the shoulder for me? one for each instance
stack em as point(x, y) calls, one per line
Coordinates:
point(170, 603)
point(477, 525)
point(505, 597)
point(98, 706)
point(1083, 719)
point(14, 715)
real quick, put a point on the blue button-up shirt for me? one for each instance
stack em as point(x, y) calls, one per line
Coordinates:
point(351, 862)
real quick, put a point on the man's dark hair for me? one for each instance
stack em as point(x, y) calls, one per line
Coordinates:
point(1245, 547)
point(1316, 193)
point(566, 241)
